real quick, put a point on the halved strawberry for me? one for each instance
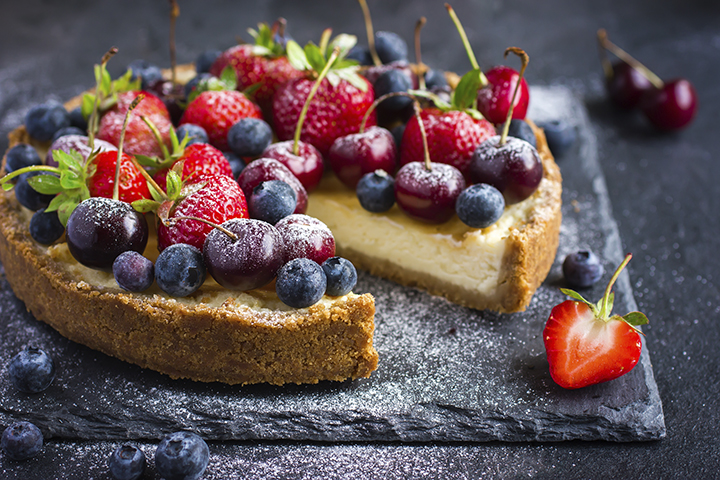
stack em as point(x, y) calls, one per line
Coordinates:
point(585, 345)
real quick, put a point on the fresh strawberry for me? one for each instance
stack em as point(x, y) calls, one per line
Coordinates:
point(452, 137)
point(217, 111)
point(262, 65)
point(214, 198)
point(199, 159)
point(139, 137)
point(585, 345)
point(338, 106)
point(133, 185)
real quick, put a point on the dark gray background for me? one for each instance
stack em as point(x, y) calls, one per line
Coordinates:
point(663, 191)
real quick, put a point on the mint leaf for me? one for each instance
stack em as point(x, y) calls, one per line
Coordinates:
point(88, 101)
point(315, 57)
point(144, 205)
point(229, 78)
point(45, 184)
point(636, 318)
point(465, 93)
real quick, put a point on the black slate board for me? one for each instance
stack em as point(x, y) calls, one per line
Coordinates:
point(446, 373)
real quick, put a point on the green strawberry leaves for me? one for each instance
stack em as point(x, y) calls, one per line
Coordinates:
point(265, 44)
point(314, 58)
point(226, 81)
point(107, 91)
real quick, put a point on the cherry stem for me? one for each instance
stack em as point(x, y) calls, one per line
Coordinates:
point(157, 135)
point(423, 135)
point(370, 33)
point(131, 107)
point(174, 13)
point(604, 60)
point(377, 102)
point(148, 178)
point(325, 40)
point(170, 222)
point(606, 296)
point(94, 120)
point(421, 67)
point(627, 58)
point(303, 112)
point(525, 60)
point(466, 44)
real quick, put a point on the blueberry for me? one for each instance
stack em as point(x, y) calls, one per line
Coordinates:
point(560, 136)
point(42, 121)
point(204, 61)
point(67, 131)
point(443, 93)
point(376, 191)
point(148, 73)
point(522, 130)
point(127, 462)
point(300, 283)
point(390, 47)
point(480, 205)
point(179, 270)
point(78, 120)
point(237, 164)
point(360, 53)
point(272, 201)
point(182, 456)
point(196, 133)
point(435, 79)
point(190, 86)
point(28, 196)
point(20, 156)
point(21, 440)
point(249, 137)
point(32, 370)
point(582, 269)
point(45, 227)
point(133, 272)
point(341, 276)
point(393, 81)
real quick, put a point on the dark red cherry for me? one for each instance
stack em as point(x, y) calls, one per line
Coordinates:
point(264, 169)
point(428, 194)
point(250, 260)
point(306, 237)
point(514, 168)
point(100, 229)
point(671, 107)
point(354, 155)
point(494, 99)
point(307, 165)
point(627, 85)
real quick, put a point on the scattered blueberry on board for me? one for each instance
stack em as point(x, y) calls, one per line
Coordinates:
point(21, 440)
point(32, 370)
point(560, 135)
point(182, 456)
point(582, 269)
point(127, 462)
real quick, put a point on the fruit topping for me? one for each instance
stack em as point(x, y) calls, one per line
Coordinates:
point(195, 134)
point(148, 73)
point(67, 131)
point(132, 184)
point(180, 270)
point(428, 192)
point(79, 144)
point(45, 227)
point(582, 269)
point(358, 154)
point(264, 169)
point(586, 345)
point(390, 47)
point(42, 121)
point(21, 440)
point(244, 254)
point(302, 159)
point(272, 201)
point(338, 103)
point(376, 191)
point(494, 100)
point(127, 462)
point(133, 272)
point(20, 156)
point(197, 159)
point(182, 456)
point(341, 276)
point(522, 130)
point(480, 205)
point(300, 283)
point(205, 60)
point(27, 196)
point(32, 370)
point(249, 137)
point(306, 237)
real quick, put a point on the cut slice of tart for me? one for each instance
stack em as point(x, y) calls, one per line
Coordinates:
point(496, 268)
point(213, 335)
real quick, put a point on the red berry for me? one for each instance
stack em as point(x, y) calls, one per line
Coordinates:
point(627, 85)
point(672, 107)
point(217, 112)
point(428, 195)
point(306, 237)
point(354, 155)
point(219, 200)
point(494, 99)
point(307, 165)
point(200, 159)
point(133, 185)
point(264, 169)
